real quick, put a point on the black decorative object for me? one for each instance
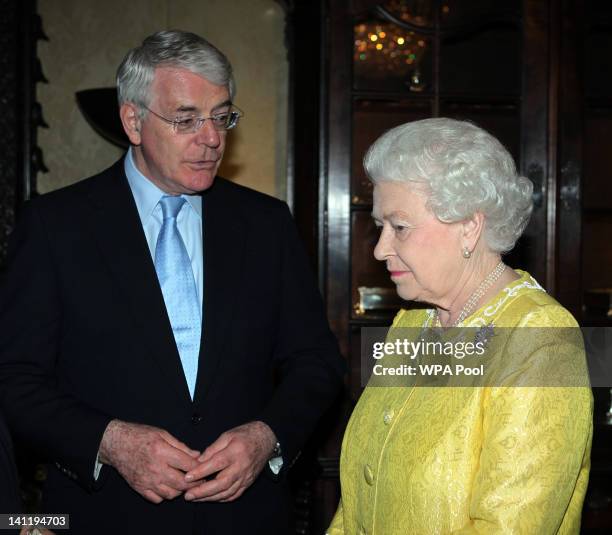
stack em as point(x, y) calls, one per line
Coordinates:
point(100, 109)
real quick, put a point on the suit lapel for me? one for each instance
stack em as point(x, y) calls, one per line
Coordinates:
point(224, 232)
point(118, 230)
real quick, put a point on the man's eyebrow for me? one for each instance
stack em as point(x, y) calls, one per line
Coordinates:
point(186, 108)
point(223, 104)
point(195, 109)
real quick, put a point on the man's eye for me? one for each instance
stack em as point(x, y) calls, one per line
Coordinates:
point(185, 123)
point(220, 119)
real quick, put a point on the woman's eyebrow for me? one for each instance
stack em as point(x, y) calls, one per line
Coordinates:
point(395, 213)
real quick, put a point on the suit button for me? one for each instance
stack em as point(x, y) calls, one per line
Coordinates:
point(368, 474)
point(196, 418)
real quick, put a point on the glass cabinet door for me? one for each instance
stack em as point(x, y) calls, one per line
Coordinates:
point(417, 59)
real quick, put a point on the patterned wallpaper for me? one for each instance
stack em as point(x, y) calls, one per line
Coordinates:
point(88, 39)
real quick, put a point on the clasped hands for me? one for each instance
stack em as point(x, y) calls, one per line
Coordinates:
point(160, 467)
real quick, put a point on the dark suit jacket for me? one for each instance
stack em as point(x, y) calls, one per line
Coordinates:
point(9, 483)
point(86, 339)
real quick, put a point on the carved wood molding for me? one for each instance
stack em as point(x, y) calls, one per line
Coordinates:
point(20, 114)
point(9, 43)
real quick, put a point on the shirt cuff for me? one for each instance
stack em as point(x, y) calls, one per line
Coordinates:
point(98, 467)
point(275, 464)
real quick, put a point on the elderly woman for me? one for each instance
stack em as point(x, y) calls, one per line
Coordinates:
point(497, 458)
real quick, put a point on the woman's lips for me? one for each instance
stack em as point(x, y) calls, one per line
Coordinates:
point(396, 274)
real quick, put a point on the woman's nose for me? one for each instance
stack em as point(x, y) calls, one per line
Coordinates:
point(383, 249)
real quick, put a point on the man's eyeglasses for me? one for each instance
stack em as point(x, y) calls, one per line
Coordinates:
point(225, 120)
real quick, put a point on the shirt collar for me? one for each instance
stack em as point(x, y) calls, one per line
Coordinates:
point(146, 194)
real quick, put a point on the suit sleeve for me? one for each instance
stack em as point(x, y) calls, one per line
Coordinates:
point(9, 489)
point(307, 356)
point(39, 412)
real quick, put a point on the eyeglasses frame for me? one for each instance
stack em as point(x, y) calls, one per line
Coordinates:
point(234, 110)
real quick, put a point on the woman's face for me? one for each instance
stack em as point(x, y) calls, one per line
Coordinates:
point(423, 255)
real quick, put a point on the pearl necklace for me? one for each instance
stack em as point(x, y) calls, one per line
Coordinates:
point(475, 297)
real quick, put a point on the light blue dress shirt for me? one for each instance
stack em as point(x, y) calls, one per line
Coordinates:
point(189, 221)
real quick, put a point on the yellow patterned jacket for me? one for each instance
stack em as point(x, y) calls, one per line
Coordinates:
point(494, 459)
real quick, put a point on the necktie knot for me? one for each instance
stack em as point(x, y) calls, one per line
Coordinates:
point(171, 206)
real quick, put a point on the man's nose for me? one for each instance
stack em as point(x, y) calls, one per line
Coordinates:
point(208, 135)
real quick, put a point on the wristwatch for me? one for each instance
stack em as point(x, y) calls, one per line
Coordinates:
point(276, 452)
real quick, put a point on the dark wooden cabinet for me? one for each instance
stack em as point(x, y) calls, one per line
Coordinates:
point(485, 61)
point(535, 73)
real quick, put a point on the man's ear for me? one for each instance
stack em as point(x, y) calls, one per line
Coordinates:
point(131, 122)
point(472, 229)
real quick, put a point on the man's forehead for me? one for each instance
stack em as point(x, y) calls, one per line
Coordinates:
point(183, 87)
point(174, 75)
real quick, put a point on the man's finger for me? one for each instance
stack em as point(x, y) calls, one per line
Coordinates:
point(221, 483)
point(218, 445)
point(174, 442)
point(175, 479)
point(229, 494)
point(206, 469)
point(233, 497)
point(152, 496)
point(167, 492)
point(179, 459)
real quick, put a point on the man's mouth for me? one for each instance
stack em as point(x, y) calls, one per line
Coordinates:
point(202, 165)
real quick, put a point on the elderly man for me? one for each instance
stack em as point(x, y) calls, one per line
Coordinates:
point(163, 340)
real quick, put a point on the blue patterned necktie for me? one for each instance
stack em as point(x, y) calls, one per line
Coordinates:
point(178, 286)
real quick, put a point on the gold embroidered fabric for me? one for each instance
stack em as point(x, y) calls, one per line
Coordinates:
point(495, 459)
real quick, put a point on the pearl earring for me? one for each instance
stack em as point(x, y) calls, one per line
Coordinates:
point(466, 253)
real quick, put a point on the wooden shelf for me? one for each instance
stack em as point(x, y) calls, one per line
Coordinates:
point(412, 100)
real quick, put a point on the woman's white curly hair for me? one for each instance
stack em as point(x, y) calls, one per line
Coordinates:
point(465, 170)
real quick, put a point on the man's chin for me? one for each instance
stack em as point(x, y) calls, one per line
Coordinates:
point(201, 181)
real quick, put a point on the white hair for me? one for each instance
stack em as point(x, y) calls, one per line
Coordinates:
point(170, 48)
point(465, 170)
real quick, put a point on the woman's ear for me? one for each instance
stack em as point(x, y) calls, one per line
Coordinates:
point(131, 122)
point(472, 229)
